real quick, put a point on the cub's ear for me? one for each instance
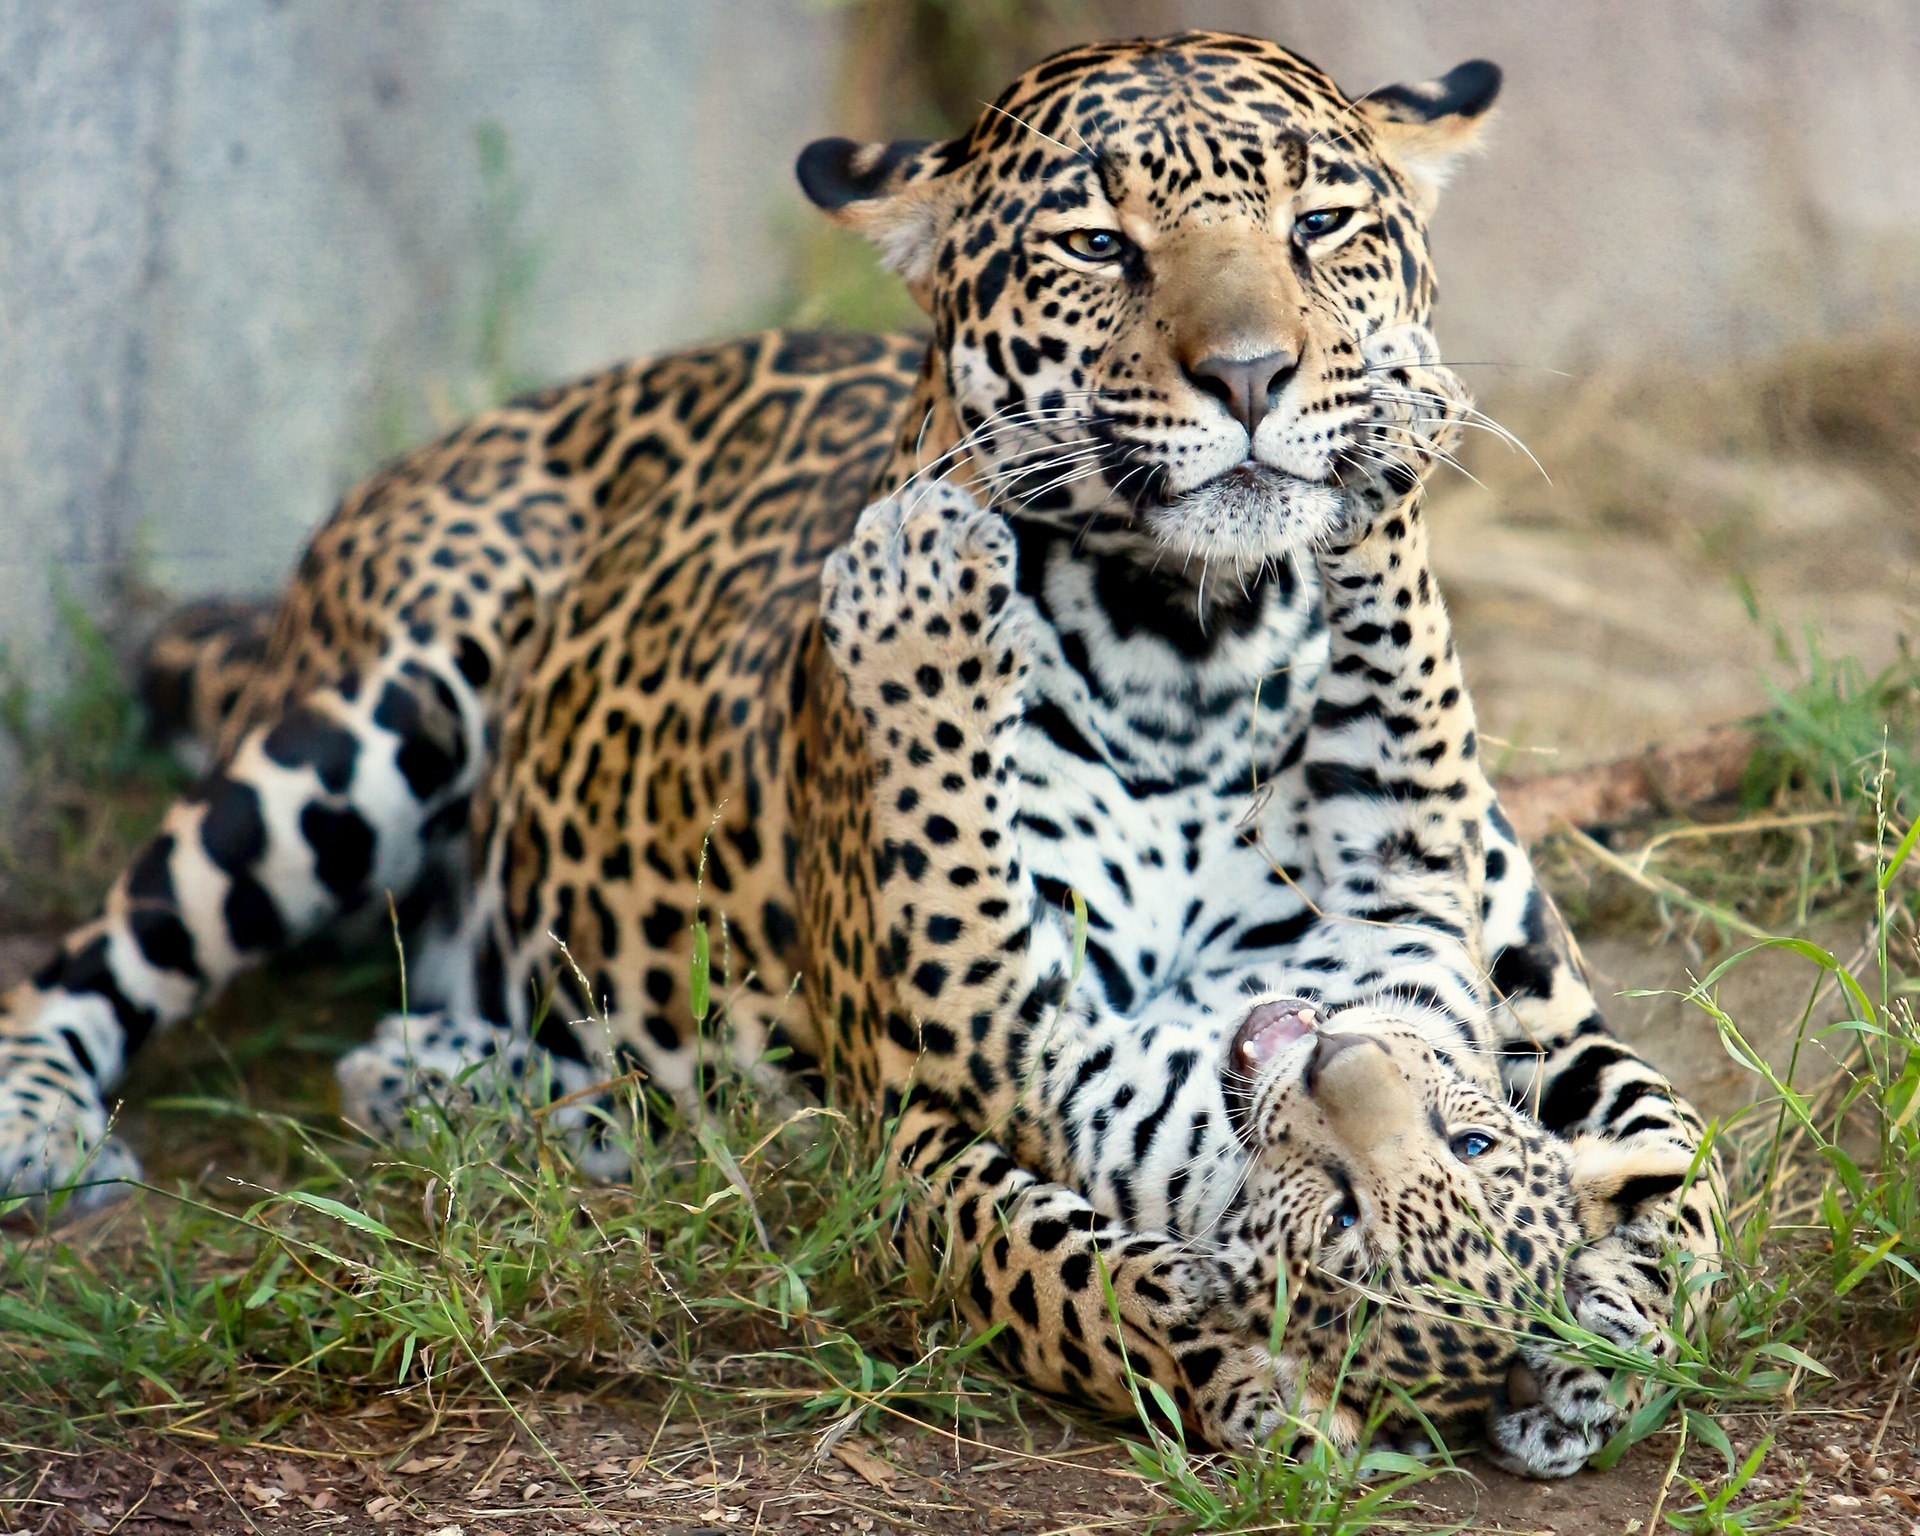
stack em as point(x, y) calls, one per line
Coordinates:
point(1613, 1183)
point(1426, 128)
point(898, 195)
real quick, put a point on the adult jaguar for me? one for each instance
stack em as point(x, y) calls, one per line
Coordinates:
point(582, 633)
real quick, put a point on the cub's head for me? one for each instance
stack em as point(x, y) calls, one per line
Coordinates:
point(1386, 1180)
point(1151, 266)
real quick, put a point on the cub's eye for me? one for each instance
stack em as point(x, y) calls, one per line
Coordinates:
point(1470, 1144)
point(1346, 1215)
point(1320, 222)
point(1093, 244)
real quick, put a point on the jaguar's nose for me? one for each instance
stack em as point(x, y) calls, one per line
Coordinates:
point(1248, 387)
point(1367, 1102)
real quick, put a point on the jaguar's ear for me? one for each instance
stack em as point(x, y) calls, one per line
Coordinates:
point(1614, 1182)
point(898, 195)
point(1426, 128)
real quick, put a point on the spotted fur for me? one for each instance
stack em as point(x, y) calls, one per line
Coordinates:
point(567, 673)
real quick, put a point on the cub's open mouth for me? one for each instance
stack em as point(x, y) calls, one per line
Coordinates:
point(1270, 1026)
point(1268, 1030)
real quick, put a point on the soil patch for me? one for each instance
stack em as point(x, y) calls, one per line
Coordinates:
point(384, 1474)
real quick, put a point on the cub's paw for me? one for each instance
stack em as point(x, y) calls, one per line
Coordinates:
point(1561, 1410)
point(451, 1061)
point(1193, 1335)
point(1240, 1390)
point(1621, 1287)
point(921, 602)
point(53, 1126)
point(1415, 407)
point(1531, 1441)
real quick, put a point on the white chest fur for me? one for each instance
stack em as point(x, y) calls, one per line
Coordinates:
point(1145, 740)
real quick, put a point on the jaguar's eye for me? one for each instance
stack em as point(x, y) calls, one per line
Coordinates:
point(1347, 1215)
point(1470, 1144)
point(1320, 222)
point(1093, 244)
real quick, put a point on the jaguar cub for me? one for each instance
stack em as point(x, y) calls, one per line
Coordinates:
point(534, 678)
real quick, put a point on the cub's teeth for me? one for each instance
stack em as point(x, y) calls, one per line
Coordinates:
point(1273, 1025)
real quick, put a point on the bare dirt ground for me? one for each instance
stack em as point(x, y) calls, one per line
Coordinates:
point(376, 1472)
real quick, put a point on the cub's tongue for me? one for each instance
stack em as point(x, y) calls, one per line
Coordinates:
point(1269, 1027)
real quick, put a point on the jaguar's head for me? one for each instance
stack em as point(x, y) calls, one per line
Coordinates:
point(1389, 1184)
point(1151, 267)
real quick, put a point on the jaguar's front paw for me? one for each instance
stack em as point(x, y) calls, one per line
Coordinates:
point(1236, 1391)
point(921, 601)
point(419, 1058)
point(1621, 1287)
point(452, 1062)
point(53, 1127)
point(1241, 1391)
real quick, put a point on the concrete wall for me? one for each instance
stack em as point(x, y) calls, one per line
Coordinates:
point(244, 249)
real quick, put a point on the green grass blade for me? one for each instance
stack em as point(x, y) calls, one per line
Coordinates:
point(699, 974)
point(360, 1221)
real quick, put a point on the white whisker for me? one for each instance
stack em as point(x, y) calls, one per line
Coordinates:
point(1472, 416)
point(1442, 456)
point(1424, 446)
point(1055, 484)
